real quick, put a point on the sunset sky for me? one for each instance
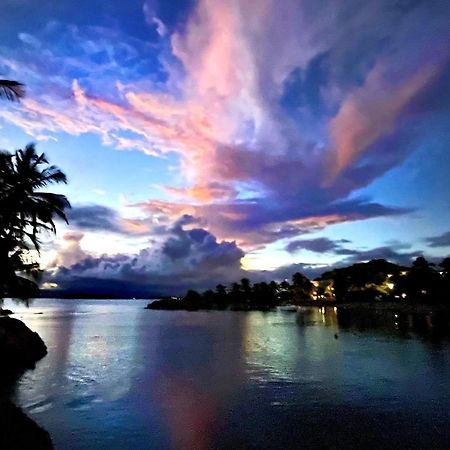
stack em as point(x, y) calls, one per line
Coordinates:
point(209, 140)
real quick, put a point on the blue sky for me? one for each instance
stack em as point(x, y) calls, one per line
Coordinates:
point(207, 140)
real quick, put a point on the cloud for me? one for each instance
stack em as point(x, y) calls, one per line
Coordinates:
point(278, 120)
point(186, 257)
point(319, 245)
point(395, 252)
point(99, 218)
point(442, 240)
point(371, 111)
point(256, 222)
point(95, 218)
point(70, 252)
point(389, 253)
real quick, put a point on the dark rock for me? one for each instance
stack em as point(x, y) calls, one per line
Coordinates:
point(20, 348)
point(18, 431)
point(5, 312)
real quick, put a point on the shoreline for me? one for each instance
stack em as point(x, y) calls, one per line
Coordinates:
point(413, 308)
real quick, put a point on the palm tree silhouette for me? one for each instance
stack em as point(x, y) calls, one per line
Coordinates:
point(25, 212)
point(11, 90)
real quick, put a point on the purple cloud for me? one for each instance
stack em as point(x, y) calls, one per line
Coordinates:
point(442, 240)
point(262, 161)
point(319, 245)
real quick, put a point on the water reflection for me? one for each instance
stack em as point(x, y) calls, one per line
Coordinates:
point(118, 376)
point(197, 365)
point(430, 326)
point(327, 316)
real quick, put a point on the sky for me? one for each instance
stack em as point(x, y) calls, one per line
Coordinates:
point(209, 140)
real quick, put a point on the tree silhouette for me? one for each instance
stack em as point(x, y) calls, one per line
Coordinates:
point(423, 282)
point(302, 288)
point(25, 212)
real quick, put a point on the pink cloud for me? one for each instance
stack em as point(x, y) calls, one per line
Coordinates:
point(247, 167)
point(371, 111)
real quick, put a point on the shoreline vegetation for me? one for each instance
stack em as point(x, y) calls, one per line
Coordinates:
point(377, 284)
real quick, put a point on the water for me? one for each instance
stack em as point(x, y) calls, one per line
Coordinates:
point(121, 377)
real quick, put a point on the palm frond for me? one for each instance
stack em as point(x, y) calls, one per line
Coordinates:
point(11, 90)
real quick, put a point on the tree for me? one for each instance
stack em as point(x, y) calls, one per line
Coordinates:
point(11, 90)
point(221, 289)
point(445, 279)
point(445, 265)
point(423, 281)
point(285, 292)
point(235, 293)
point(246, 289)
point(220, 296)
point(25, 212)
point(302, 287)
point(264, 295)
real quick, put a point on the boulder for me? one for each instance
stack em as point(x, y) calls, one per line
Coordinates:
point(18, 431)
point(20, 348)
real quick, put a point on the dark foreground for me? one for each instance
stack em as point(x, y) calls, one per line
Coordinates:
point(118, 377)
point(20, 349)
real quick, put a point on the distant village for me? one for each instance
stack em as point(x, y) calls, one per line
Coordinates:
point(375, 281)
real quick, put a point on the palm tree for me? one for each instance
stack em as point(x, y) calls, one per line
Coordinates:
point(11, 90)
point(24, 209)
point(25, 212)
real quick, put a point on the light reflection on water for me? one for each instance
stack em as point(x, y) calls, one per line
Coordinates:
point(118, 376)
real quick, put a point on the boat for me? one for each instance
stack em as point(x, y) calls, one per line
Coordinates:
point(288, 308)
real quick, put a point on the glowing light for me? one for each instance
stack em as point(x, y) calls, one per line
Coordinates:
point(48, 285)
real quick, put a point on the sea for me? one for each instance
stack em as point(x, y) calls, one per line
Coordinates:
point(118, 376)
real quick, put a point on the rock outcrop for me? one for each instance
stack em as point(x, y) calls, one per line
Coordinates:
point(18, 431)
point(20, 349)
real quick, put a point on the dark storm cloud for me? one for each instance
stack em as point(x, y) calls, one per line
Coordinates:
point(319, 245)
point(94, 218)
point(442, 240)
point(186, 257)
point(395, 252)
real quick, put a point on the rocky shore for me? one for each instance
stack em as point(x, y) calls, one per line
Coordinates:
point(20, 349)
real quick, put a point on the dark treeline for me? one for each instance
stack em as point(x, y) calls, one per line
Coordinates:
point(375, 281)
point(244, 295)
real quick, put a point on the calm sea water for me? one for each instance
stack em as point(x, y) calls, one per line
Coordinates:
point(121, 377)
